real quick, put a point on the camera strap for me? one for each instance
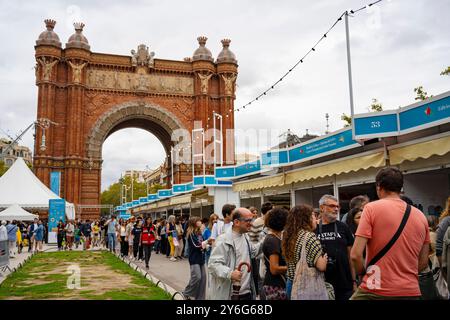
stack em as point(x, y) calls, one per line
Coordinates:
point(389, 245)
point(335, 229)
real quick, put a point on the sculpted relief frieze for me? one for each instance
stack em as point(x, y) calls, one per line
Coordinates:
point(116, 80)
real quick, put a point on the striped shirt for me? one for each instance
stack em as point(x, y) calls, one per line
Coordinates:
point(256, 229)
point(313, 251)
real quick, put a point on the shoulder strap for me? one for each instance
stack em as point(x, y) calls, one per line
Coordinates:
point(394, 238)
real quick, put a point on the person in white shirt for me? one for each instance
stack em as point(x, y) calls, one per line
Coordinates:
point(3, 232)
point(222, 226)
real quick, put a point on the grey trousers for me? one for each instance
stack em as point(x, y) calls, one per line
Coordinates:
point(197, 284)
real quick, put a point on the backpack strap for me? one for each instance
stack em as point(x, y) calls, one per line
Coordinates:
point(397, 234)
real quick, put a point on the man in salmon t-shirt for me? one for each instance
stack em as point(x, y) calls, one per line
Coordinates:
point(395, 275)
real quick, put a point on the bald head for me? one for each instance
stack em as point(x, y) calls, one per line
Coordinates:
point(242, 220)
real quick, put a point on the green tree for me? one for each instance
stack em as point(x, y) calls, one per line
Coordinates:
point(421, 94)
point(446, 72)
point(113, 193)
point(376, 106)
point(347, 119)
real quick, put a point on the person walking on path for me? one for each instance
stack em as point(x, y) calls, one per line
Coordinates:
point(170, 230)
point(39, 236)
point(148, 237)
point(70, 231)
point(111, 226)
point(231, 250)
point(60, 235)
point(197, 284)
point(129, 236)
point(31, 238)
point(11, 229)
point(3, 231)
point(396, 238)
point(180, 237)
point(123, 238)
point(137, 230)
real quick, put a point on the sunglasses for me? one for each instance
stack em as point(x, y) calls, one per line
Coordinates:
point(247, 220)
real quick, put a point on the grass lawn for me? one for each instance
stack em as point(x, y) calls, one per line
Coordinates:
point(103, 277)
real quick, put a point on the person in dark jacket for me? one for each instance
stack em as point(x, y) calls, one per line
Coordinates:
point(197, 283)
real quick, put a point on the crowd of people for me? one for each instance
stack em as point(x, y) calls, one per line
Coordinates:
point(21, 234)
point(383, 249)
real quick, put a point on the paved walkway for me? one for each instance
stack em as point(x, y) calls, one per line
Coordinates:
point(175, 274)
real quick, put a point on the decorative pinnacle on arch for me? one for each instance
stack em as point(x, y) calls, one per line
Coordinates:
point(50, 24)
point(202, 40)
point(78, 26)
point(226, 43)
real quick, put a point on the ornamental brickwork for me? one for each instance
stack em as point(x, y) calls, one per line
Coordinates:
point(91, 95)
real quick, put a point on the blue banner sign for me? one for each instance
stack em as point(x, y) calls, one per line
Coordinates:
point(322, 146)
point(376, 125)
point(143, 199)
point(225, 172)
point(55, 182)
point(178, 188)
point(124, 216)
point(152, 197)
point(135, 203)
point(428, 113)
point(164, 193)
point(56, 212)
point(274, 158)
point(129, 205)
point(248, 168)
point(199, 180)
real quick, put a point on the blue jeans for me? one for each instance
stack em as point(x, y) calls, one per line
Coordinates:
point(288, 288)
point(112, 242)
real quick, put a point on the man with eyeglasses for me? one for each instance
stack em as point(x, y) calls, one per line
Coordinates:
point(231, 249)
point(337, 241)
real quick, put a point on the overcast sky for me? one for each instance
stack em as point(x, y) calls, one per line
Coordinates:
point(396, 46)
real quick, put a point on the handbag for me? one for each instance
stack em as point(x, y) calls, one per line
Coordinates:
point(175, 242)
point(309, 283)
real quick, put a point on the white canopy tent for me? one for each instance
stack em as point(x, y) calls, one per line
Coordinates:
point(20, 186)
point(15, 212)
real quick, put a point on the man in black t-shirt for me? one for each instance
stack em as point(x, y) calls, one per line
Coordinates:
point(337, 241)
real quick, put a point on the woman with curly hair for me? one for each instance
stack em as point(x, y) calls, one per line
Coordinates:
point(300, 226)
point(444, 224)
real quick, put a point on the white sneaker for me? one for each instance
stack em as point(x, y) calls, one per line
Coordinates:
point(173, 259)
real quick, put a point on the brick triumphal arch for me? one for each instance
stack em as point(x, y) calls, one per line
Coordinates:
point(84, 96)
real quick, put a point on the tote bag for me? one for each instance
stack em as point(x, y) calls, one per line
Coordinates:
point(309, 283)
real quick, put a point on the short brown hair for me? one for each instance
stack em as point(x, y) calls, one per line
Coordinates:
point(390, 179)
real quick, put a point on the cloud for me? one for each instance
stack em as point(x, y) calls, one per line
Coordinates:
point(400, 45)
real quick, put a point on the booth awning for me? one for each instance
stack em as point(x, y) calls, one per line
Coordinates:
point(183, 199)
point(343, 166)
point(271, 181)
point(423, 150)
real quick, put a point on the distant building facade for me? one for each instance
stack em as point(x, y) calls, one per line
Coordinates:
point(14, 152)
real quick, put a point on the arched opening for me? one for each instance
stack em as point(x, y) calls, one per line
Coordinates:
point(127, 149)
